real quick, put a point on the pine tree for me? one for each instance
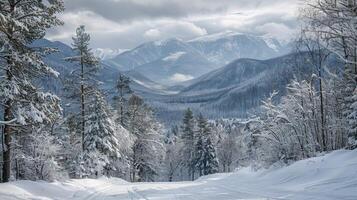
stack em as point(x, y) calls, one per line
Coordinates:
point(21, 23)
point(101, 136)
point(120, 101)
point(202, 133)
point(199, 155)
point(82, 81)
point(188, 140)
point(210, 158)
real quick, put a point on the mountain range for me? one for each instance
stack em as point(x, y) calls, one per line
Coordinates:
point(173, 61)
point(173, 75)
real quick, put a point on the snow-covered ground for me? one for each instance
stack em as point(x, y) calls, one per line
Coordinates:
point(332, 176)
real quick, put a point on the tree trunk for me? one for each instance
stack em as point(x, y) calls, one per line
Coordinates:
point(6, 169)
point(7, 140)
point(82, 100)
point(7, 134)
point(324, 148)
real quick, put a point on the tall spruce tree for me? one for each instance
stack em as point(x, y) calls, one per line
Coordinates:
point(206, 159)
point(21, 23)
point(199, 155)
point(203, 131)
point(188, 140)
point(101, 136)
point(210, 159)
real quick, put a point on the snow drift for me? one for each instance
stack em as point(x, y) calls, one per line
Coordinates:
point(331, 176)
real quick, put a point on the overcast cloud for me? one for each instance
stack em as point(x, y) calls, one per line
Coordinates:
point(124, 24)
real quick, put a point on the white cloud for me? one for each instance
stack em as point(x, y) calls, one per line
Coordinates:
point(180, 77)
point(126, 24)
point(152, 34)
point(276, 30)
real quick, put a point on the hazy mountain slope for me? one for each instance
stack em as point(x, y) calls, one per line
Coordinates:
point(149, 52)
point(177, 67)
point(238, 88)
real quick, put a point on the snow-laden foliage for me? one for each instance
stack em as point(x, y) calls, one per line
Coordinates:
point(148, 149)
point(103, 140)
point(334, 23)
point(36, 156)
point(292, 129)
point(205, 153)
point(23, 22)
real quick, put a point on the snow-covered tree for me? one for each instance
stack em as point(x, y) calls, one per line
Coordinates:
point(36, 156)
point(203, 133)
point(21, 23)
point(199, 154)
point(120, 101)
point(187, 138)
point(334, 22)
point(227, 151)
point(81, 82)
point(210, 165)
point(148, 149)
point(102, 136)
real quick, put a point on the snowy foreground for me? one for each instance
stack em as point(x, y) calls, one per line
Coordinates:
point(332, 176)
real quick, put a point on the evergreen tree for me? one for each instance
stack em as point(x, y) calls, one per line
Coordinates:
point(120, 101)
point(188, 140)
point(210, 158)
point(206, 159)
point(101, 136)
point(202, 133)
point(199, 155)
point(82, 80)
point(22, 23)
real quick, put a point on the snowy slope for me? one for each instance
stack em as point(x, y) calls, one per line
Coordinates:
point(329, 177)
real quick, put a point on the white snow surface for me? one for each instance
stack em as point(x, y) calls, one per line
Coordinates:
point(329, 177)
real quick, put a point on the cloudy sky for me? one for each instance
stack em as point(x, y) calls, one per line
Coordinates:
point(124, 24)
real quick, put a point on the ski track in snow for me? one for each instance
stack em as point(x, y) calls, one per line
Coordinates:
point(329, 177)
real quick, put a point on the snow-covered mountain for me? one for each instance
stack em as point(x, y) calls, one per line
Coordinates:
point(229, 91)
point(223, 48)
point(173, 61)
